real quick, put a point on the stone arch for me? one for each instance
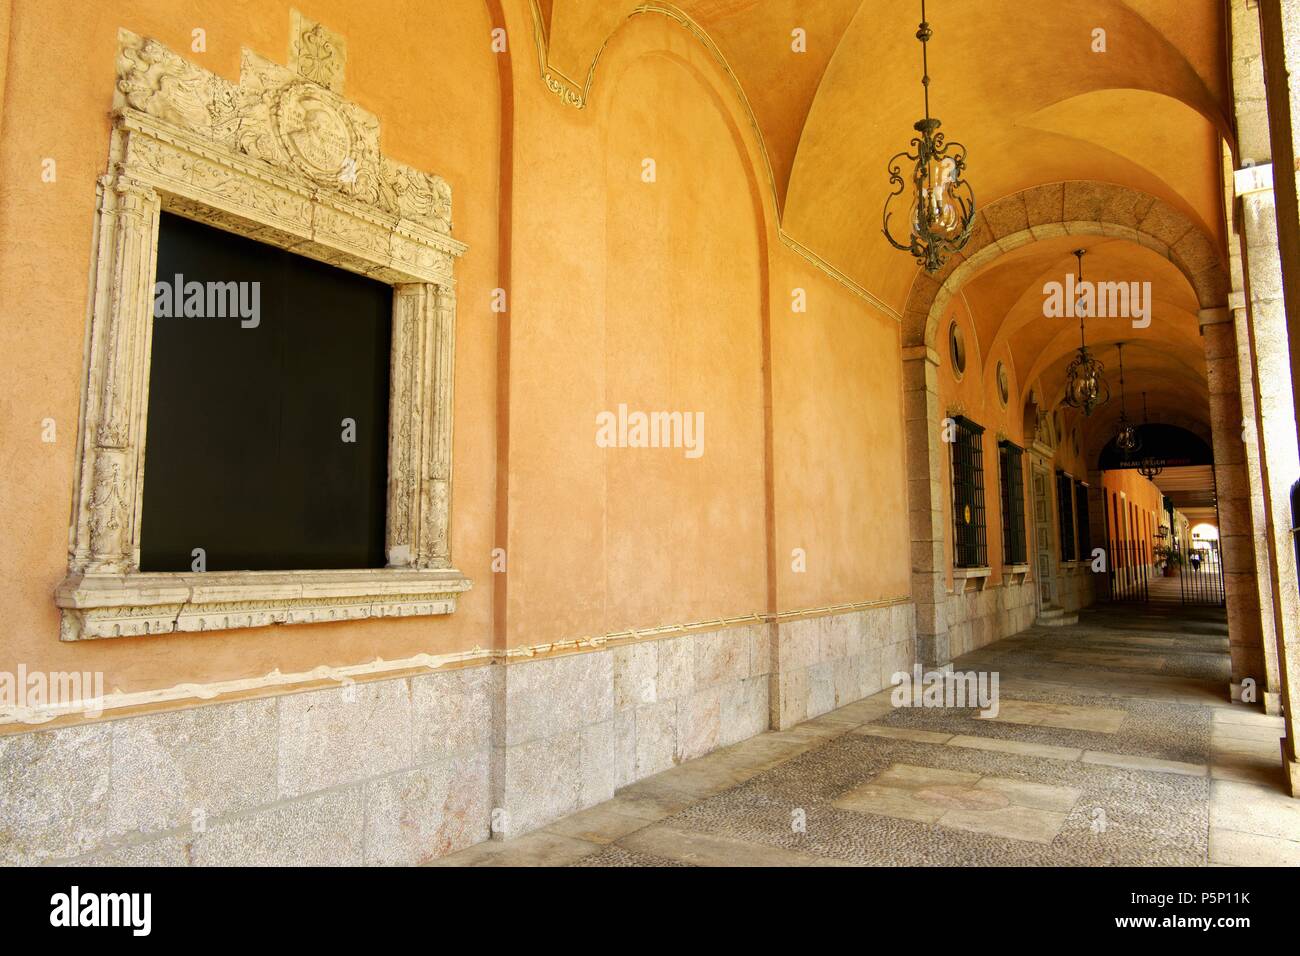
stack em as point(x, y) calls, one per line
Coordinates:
point(1058, 209)
point(1041, 212)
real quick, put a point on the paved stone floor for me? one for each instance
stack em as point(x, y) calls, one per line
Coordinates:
point(1114, 744)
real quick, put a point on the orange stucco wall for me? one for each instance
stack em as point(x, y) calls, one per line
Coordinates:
point(674, 295)
point(1137, 503)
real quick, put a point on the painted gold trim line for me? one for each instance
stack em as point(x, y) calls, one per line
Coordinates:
point(577, 95)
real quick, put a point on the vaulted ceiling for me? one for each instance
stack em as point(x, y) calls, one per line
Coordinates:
point(1021, 85)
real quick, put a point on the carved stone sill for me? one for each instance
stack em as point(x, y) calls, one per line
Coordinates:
point(970, 579)
point(1015, 573)
point(128, 605)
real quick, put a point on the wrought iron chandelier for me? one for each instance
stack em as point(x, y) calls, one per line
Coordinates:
point(943, 203)
point(1127, 439)
point(1148, 469)
point(1085, 389)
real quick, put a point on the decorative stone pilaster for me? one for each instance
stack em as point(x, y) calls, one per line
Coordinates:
point(419, 474)
point(925, 462)
point(109, 538)
point(435, 544)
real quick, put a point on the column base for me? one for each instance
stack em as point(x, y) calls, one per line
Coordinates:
point(1290, 770)
point(1269, 701)
point(934, 651)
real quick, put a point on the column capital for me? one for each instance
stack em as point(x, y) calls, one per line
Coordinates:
point(914, 352)
point(1214, 316)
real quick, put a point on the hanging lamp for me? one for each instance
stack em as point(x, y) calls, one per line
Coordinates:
point(1085, 389)
point(1127, 439)
point(942, 209)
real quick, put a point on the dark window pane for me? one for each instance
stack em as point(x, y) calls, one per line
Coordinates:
point(245, 454)
point(1081, 516)
point(969, 547)
point(1011, 464)
point(1065, 514)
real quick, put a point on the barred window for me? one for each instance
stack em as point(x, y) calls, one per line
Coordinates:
point(1065, 514)
point(1011, 466)
point(1081, 513)
point(970, 548)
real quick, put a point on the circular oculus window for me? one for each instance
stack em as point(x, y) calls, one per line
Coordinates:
point(957, 348)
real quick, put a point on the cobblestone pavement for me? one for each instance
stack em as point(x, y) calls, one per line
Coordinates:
point(1113, 744)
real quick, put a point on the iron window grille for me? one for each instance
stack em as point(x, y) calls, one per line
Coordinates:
point(1011, 464)
point(1065, 514)
point(1081, 513)
point(970, 546)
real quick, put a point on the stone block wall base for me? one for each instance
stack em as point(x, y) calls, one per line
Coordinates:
point(390, 771)
point(1076, 587)
point(404, 770)
point(977, 618)
point(828, 662)
point(581, 726)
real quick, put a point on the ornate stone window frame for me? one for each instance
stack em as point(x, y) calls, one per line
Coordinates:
point(283, 158)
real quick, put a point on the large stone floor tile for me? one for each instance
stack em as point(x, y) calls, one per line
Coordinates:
point(1251, 809)
point(1233, 848)
point(1244, 768)
point(606, 822)
point(1135, 762)
point(903, 733)
point(649, 798)
point(1024, 748)
point(1267, 748)
point(540, 848)
point(1035, 796)
point(1011, 823)
point(1248, 716)
point(1252, 732)
point(889, 802)
point(1104, 720)
point(706, 849)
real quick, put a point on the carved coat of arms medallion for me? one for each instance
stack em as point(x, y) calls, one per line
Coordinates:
point(315, 133)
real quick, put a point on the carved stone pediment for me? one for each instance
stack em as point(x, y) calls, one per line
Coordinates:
point(285, 118)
